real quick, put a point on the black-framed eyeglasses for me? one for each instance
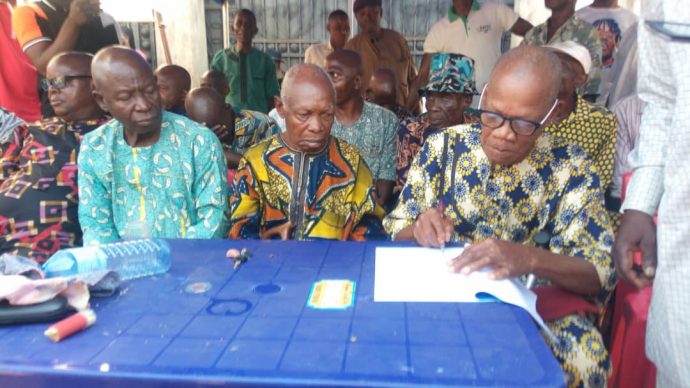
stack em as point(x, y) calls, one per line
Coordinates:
point(520, 126)
point(61, 82)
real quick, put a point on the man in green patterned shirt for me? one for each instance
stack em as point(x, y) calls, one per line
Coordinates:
point(564, 25)
point(369, 127)
point(147, 171)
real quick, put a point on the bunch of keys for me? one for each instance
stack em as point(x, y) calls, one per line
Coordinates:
point(238, 256)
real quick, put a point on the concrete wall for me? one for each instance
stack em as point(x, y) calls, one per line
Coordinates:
point(185, 28)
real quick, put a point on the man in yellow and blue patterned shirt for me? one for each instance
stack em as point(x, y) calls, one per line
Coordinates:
point(497, 184)
point(147, 170)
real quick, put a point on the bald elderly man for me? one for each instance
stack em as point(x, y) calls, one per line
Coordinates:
point(236, 129)
point(148, 172)
point(590, 126)
point(304, 184)
point(38, 165)
point(174, 82)
point(504, 180)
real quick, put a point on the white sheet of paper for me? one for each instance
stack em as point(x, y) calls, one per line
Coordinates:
point(423, 275)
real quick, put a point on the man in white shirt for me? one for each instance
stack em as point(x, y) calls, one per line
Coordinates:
point(338, 28)
point(611, 22)
point(660, 181)
point(473, 29)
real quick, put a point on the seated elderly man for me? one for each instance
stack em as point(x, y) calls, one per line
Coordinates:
point(304, 184)
point(38, 165)
point(148, 171)
point(236, 130)
point(579, 122)
point(448, 93)
point(497, 184)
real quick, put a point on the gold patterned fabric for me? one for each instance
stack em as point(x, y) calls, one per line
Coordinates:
point(555, 189)
point(328, 195)
point(593, 128)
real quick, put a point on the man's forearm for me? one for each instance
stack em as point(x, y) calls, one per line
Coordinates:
point(40, 54)
point(571, 273)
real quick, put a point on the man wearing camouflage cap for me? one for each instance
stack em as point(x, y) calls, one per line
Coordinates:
point(448, 95)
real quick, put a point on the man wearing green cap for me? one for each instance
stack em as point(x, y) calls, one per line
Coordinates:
point(448, 94)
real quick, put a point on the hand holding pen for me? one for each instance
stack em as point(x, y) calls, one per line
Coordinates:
point(432, 228)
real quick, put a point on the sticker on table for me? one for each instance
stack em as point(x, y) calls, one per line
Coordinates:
point(332, 295)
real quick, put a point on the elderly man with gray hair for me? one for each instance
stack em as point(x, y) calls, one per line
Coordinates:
point(304, 184)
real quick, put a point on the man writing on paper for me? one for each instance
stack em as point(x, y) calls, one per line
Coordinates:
point(499, 183)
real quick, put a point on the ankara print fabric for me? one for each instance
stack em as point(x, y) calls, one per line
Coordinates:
point(250, 128)
point(593, 128)
point(555, 189)
point(327, 196)
point(38, 187)
point(176, 187)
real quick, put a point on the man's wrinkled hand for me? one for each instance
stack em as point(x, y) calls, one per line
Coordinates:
point(432, 229)
point(508, 259)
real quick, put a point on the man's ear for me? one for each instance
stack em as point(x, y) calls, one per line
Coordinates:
point(467, 100)
point(280, 106)
point(357, 80)
point(556, 115)
point(580, 79)
point(98, 97)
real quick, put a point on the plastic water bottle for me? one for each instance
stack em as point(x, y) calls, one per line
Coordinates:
point(131, 259)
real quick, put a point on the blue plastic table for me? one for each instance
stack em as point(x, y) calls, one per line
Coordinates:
point(155, 332)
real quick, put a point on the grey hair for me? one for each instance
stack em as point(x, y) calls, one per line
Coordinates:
point(302, 72)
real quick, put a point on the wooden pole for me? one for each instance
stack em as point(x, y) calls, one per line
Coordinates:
point(164, 39)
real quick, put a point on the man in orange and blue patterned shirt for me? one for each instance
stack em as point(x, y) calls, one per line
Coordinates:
point(304, 184)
